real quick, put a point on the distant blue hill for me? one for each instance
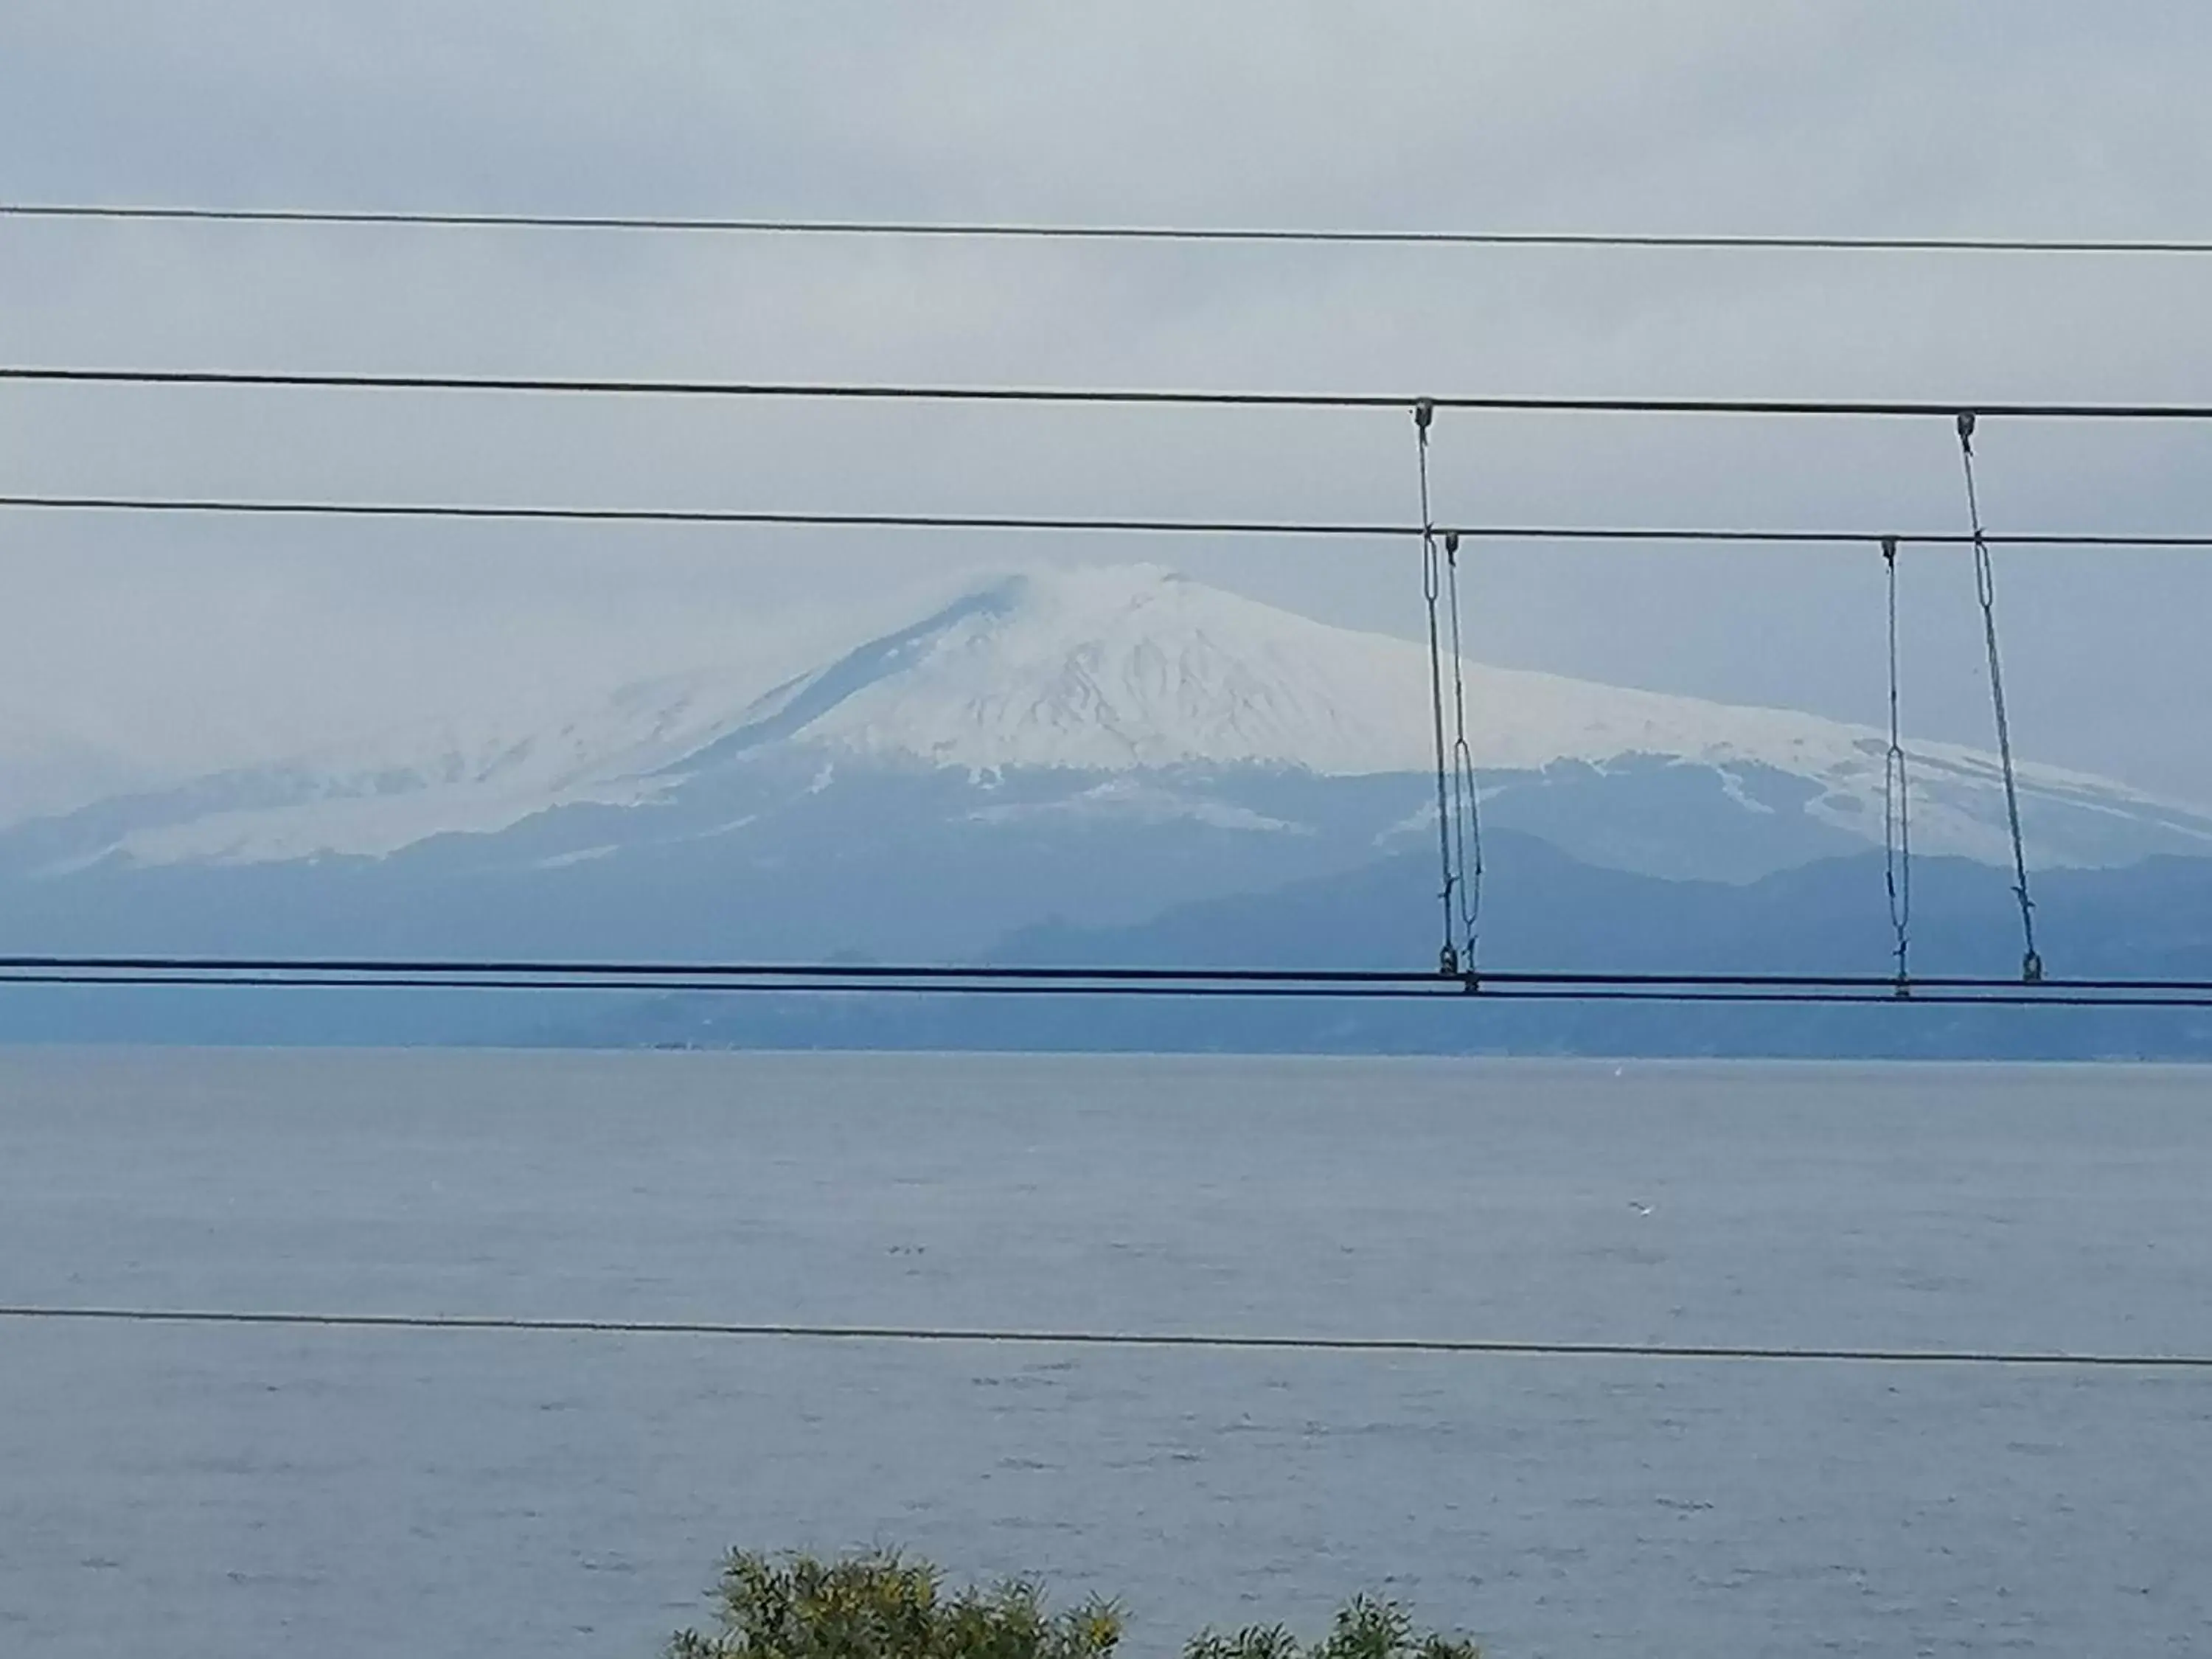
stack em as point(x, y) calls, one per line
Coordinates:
point(1113, 765)
point(1545, 912)
point(1542, 911)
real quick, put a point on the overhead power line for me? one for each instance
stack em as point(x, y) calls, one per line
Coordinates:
point(1373, 530)
point(277, 973)
point(716, 516)
point(577, 968)
point(989, 230)
point(858, 392)
point(2049, 994)
point(988, 1336)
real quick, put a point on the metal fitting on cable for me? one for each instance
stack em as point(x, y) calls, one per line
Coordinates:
point(1424, 411)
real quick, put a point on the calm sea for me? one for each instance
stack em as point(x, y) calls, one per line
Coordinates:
point(203, 1492)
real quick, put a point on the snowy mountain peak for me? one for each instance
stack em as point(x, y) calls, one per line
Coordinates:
point(1119, 670)
point(1108, 668)
point(1113, 667)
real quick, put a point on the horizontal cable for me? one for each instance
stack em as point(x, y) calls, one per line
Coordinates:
point(857, 392)
point(1440, 990)
point(712, 516)
point(1800, 990)
point(733, 970)
point(1014, 231)
point(1083, 1338)
point(988, 972)
point(2043, 994)
point(187, 505)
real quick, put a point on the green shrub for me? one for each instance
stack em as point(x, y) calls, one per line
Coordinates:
point(880, 1605)
point(1365, 1629)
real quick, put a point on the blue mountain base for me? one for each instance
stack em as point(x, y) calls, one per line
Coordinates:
point(1542, 911)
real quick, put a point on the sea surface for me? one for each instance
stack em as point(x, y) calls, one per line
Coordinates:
point(202, 1490)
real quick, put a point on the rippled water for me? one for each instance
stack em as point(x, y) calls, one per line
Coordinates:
point(350, 1493)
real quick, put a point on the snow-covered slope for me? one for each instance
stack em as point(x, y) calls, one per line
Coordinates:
point(1119, 671)
point(1118, 667)
point(1123, 667)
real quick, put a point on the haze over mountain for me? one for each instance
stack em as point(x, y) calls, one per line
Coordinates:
point(1107, 761)
point(1121, 694)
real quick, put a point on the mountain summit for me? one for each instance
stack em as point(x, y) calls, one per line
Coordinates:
point(1121, 667)
point(1120, 695)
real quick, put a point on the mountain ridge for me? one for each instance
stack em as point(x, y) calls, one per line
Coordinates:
point(1098, 673)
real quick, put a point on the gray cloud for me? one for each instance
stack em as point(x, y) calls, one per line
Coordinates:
point(199, 639)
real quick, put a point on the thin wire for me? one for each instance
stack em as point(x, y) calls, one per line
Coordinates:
point(576, 969)
point(2031, 964)
point(1896, 800)
point(1467, 801)
point(985, 1335)
point(1006, 231)
point(716, 516)
point(2033, 997)
point(1263, 528)
point(1448, 955)
point(1430, 987)
point(1747, 990)
point(879, 392)
point(585, 970)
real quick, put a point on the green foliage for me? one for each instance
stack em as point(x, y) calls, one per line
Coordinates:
point(1365, 1629)
point(880, 1605)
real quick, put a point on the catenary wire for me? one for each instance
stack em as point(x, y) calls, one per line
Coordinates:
point(1020, 231)
point(1103, 395)
point(586, 969)
point(990, 1336)
point(1377, 531)
point(1437, 989)
point(1156, 983)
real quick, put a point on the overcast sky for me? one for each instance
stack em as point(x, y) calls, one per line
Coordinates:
point(191, 641)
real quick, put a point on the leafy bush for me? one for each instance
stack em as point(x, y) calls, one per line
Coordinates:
point(883, 1607)
point(879, 1606)
point(1365, 1629)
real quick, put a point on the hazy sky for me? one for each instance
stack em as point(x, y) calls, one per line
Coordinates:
point(206, 639)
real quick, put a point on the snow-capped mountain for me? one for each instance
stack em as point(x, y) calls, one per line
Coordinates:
point(1131, 694)
point(1126, 668)
point(452, 777)
point(1093, 765)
